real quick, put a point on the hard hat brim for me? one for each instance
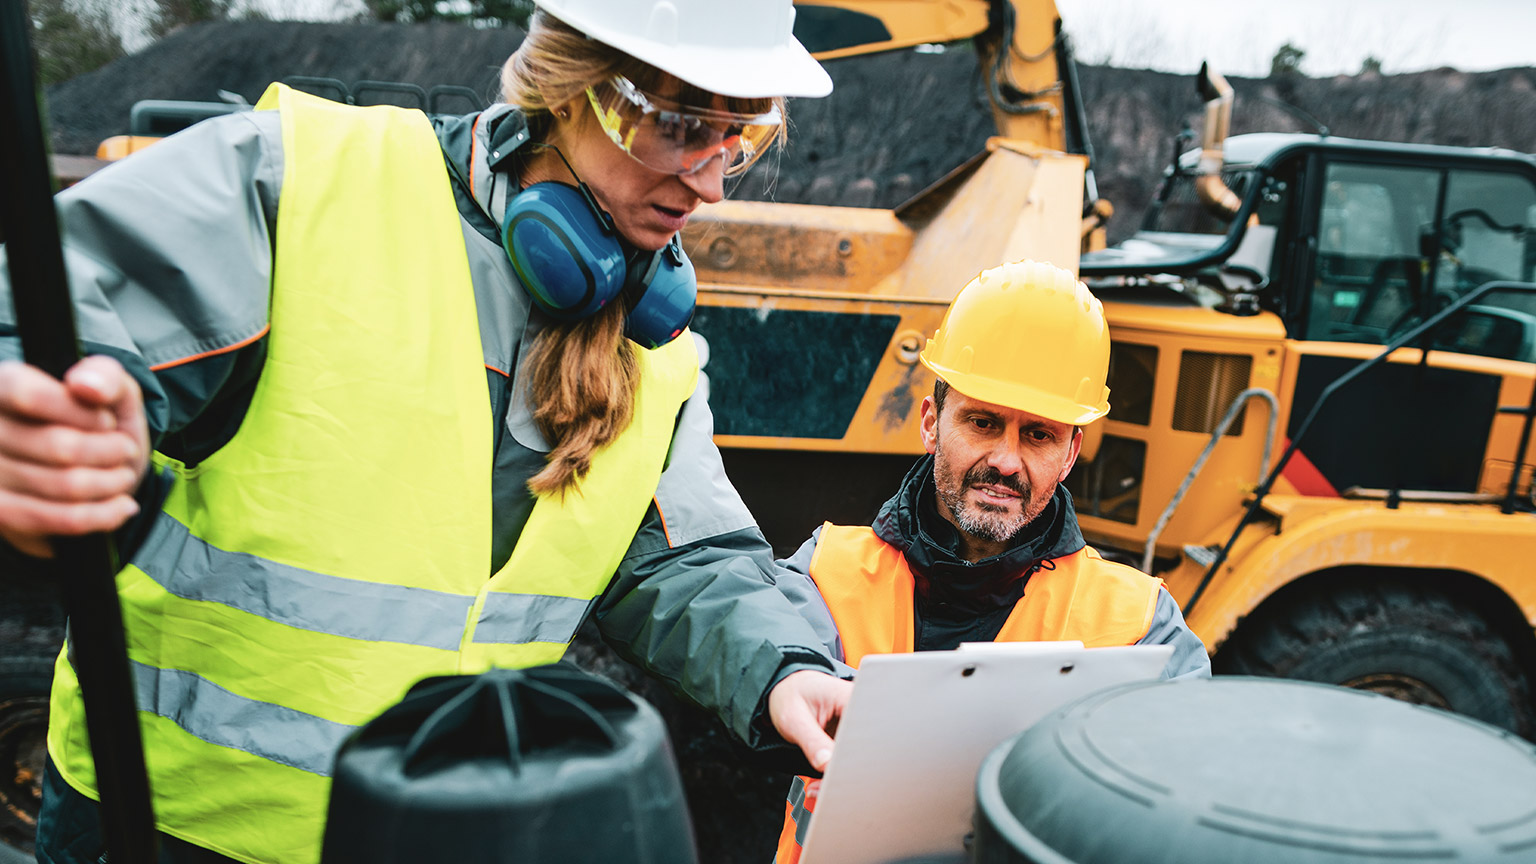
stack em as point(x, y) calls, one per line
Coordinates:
point(1020, 397)
point(784, 70)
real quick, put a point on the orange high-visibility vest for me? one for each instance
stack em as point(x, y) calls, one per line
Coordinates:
point(868, 588)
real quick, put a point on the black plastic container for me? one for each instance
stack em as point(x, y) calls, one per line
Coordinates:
point(545, 764)
point(1234, 769)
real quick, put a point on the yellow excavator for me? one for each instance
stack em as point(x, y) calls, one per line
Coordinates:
point(1322, 371)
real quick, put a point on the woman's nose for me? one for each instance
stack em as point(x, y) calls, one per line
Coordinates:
point(708, 182)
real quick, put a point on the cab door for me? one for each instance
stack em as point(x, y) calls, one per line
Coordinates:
point(1388, 241)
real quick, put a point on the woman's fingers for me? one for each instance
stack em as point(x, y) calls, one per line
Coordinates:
point(62, 445)
point(804, 707)
point(29, 393)
point(27, 520)
point(67, 484)
point(72, 452)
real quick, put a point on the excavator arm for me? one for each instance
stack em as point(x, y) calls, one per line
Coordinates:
point(1025, 58)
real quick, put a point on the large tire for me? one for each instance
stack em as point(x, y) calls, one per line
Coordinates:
point(1409, 642)
point(23, 726)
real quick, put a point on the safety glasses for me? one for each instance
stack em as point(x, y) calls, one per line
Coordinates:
point(679, 139)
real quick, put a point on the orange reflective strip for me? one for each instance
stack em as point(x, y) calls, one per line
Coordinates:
point(170, 364)
point(473, 143)
point(663, 517)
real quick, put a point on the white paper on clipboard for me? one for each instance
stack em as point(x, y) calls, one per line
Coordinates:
point(901, 785)
point(1020, 647)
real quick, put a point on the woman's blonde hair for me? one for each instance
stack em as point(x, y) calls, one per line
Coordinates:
point(583, 376)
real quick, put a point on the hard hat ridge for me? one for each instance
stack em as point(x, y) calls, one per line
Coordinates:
point(742, 48)
point(1028, 336)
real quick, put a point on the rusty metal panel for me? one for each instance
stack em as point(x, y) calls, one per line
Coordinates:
point(799, 246)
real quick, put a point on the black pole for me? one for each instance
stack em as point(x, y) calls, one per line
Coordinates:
point(83, 567)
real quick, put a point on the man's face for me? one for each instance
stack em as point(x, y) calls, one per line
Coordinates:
point(995, 467)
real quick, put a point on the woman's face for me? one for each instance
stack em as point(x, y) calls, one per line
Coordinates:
point(647, 206)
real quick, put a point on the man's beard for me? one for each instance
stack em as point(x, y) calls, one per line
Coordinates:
point(979, 518)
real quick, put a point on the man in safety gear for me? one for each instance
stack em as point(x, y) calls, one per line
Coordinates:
point(980, 543)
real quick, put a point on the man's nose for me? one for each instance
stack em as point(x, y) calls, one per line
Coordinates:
point(1006, 457)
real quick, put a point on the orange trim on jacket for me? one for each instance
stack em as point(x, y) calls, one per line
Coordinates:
point(868, 587)
point(171, 364)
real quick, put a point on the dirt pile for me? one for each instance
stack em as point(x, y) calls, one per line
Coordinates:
point(197, 62)
point(895, 122)
point(1133, 116)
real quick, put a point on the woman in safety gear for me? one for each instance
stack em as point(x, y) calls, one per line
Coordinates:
point(451, 419)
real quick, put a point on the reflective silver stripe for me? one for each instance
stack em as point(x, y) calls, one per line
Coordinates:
point(208, 711)
point(181, 564)
point(518, 618)
point(798, 812)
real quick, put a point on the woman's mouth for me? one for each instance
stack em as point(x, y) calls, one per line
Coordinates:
point(671, 218)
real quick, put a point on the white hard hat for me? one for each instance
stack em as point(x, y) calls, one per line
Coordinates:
point(741, 48)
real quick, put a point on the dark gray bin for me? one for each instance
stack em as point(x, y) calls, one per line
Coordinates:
point(546, 764)
point(1232, 769)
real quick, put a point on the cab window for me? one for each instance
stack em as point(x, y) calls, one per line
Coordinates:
point(1371, 282)
point(1367, 249)
point(1486, 234)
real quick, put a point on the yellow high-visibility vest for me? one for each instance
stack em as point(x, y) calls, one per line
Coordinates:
point(337, 549)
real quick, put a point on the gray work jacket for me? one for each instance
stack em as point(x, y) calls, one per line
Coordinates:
point(170, 261)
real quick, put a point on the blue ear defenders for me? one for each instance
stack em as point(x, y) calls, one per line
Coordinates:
point(572, 262)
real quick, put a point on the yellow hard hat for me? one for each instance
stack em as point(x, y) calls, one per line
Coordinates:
point(1027, 336)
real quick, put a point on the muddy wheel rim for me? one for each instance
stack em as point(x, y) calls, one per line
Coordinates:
point(1404, 688)
point(23, 730)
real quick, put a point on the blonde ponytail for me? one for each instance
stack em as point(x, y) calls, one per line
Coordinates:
point(582, 381)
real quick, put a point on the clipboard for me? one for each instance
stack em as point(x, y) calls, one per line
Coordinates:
point(901, 786)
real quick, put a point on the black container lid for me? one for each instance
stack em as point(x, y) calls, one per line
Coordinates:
point(543, 764)
point(1232, 769)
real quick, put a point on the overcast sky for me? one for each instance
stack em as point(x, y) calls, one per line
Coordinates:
point(1240, 37)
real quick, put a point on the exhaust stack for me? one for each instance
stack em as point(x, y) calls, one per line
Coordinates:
point(1209, 187)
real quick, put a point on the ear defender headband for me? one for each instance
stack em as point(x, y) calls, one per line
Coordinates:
point(571, 260)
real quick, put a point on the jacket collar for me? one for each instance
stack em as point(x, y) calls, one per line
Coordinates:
point(478, 149)
point(910, 521)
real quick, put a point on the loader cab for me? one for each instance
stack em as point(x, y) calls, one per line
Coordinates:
point(1387, 235)
point(1354, 241)
point(1337, 248)
point(1379, 237)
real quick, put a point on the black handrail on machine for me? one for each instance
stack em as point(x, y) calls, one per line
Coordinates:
point(1429, 324)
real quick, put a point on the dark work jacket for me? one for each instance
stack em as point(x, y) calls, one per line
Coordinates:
point(957, 601)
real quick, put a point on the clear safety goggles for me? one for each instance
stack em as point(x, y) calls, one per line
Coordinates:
point(679, 139)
